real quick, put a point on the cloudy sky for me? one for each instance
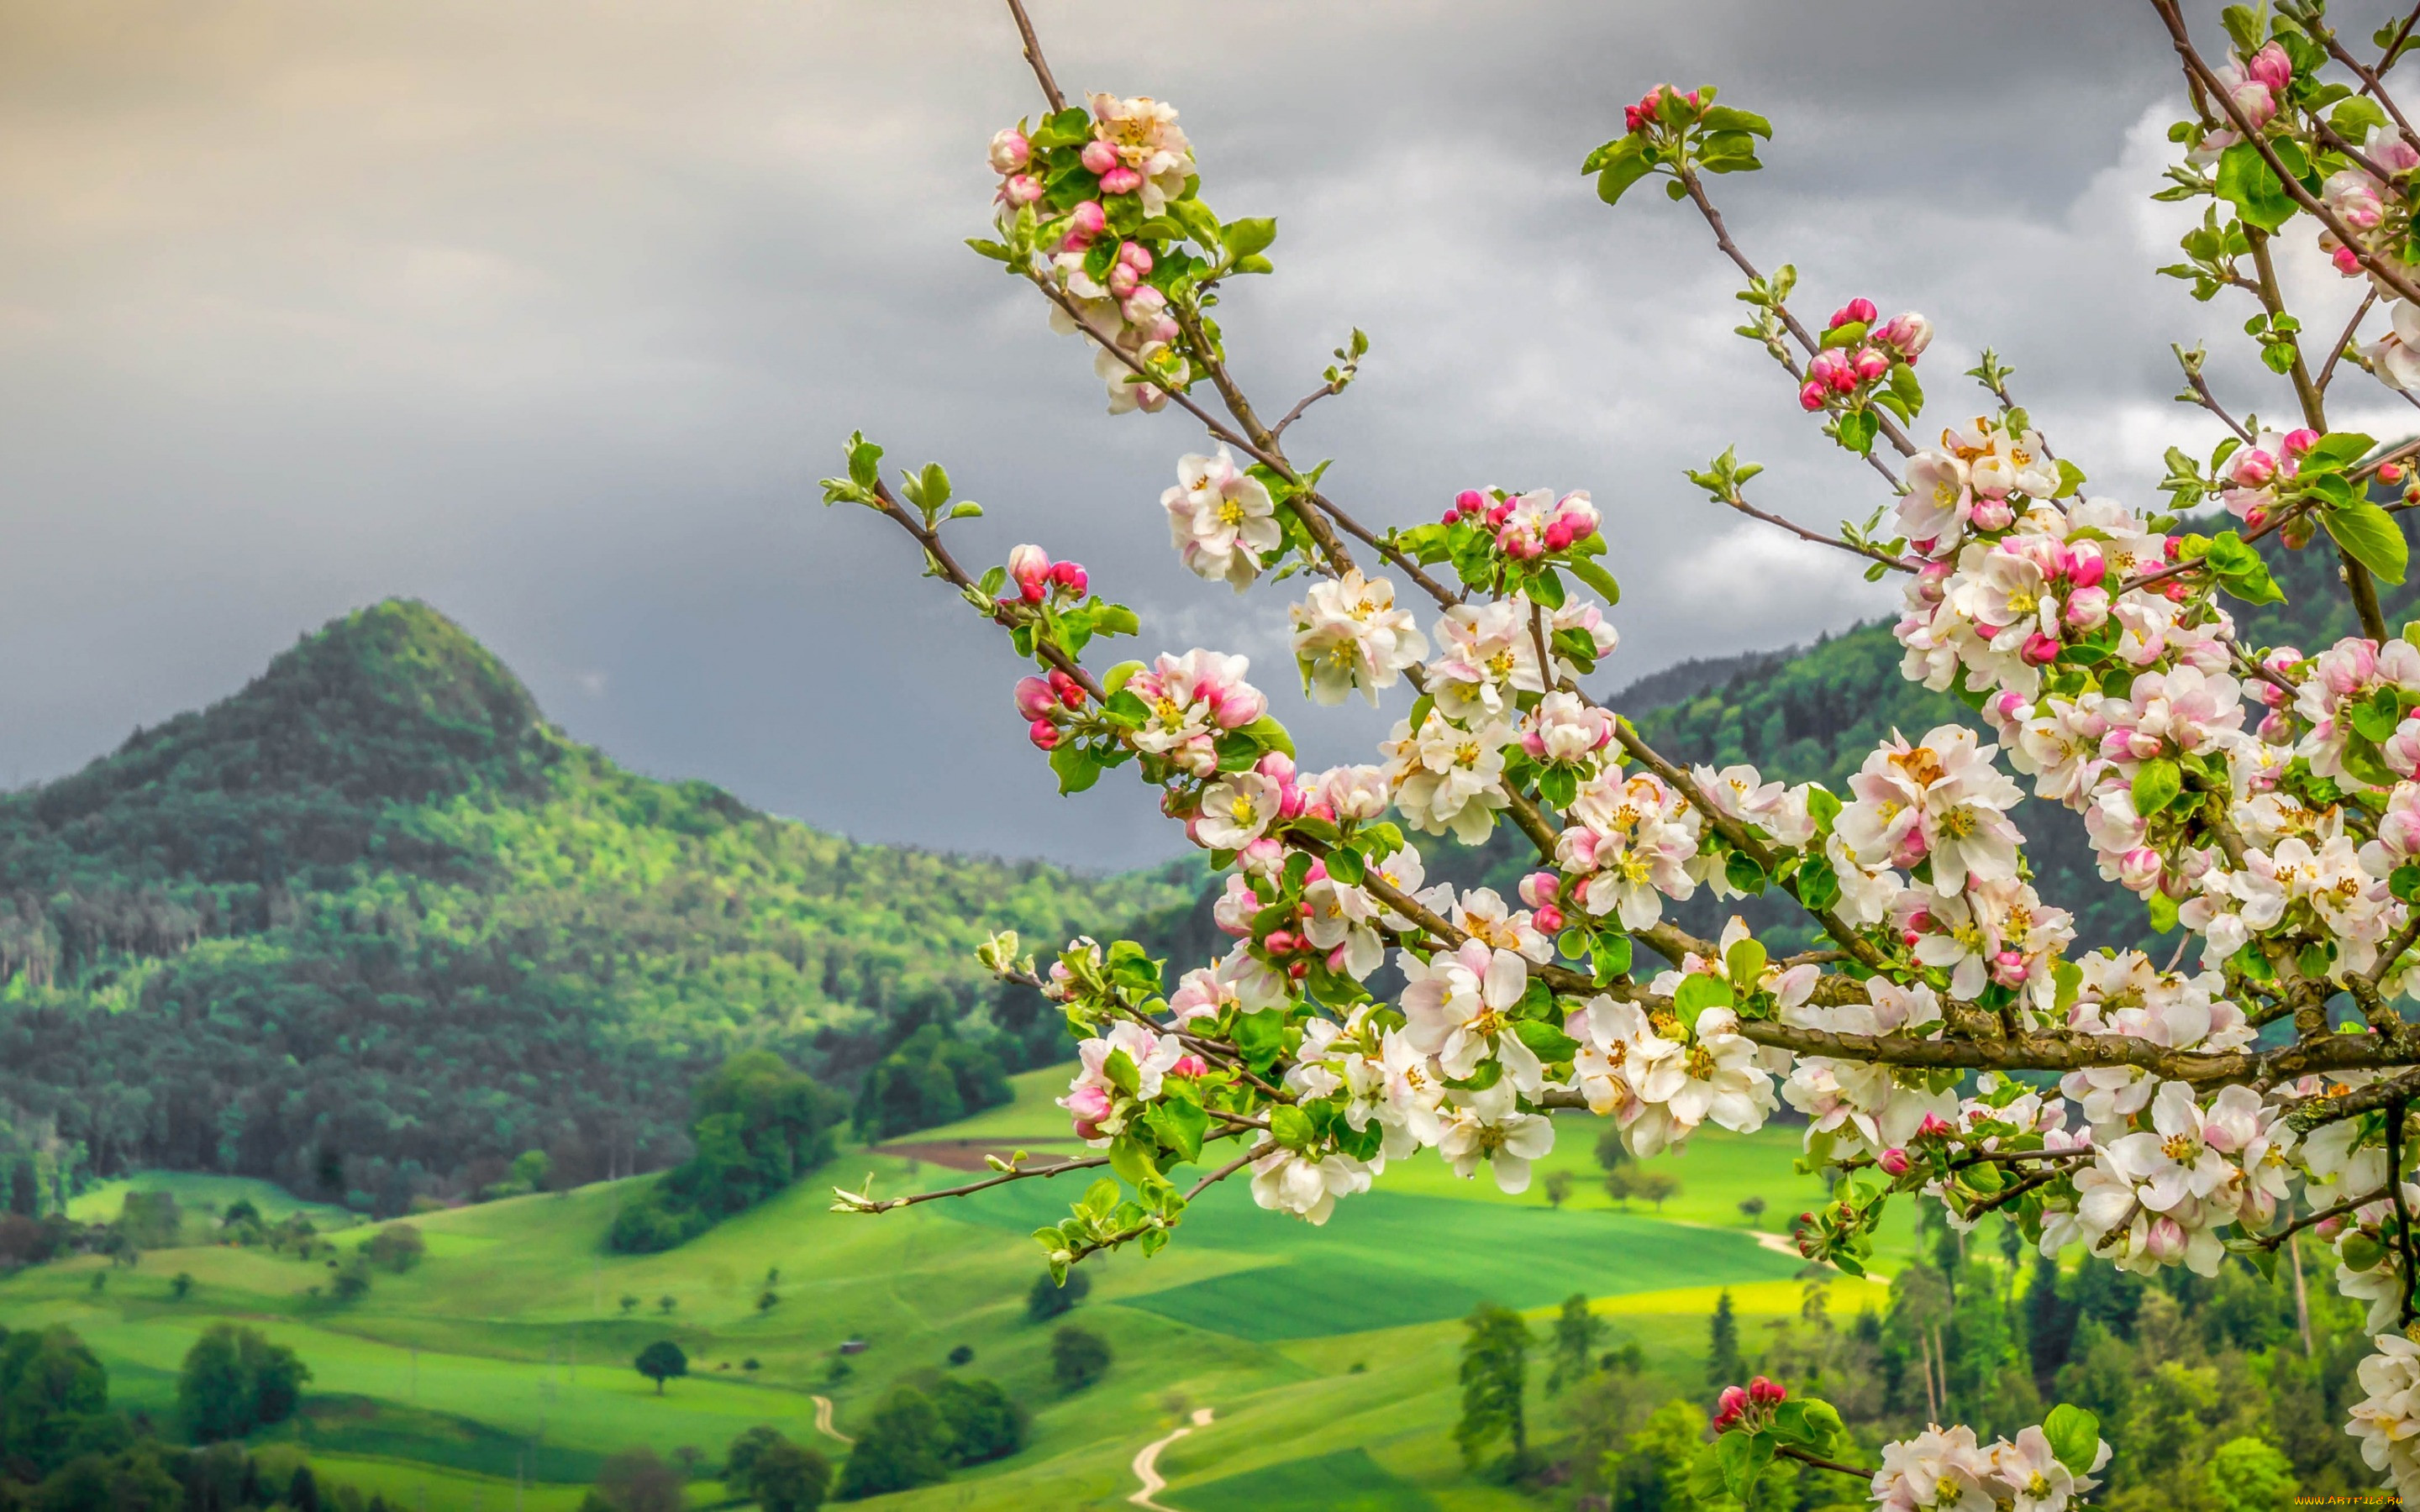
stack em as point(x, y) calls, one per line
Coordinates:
point(552, 314)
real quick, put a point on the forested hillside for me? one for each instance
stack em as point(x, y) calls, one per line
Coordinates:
point(371, 927)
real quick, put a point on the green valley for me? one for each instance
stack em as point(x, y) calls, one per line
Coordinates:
point(506, 1352)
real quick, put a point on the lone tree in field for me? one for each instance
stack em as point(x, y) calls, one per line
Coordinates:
point(1942, 1025)
point(1558, 1188)
point(1495, 1374)
point(1052, 1295)
point(661, 1362)
point(1576, 1330)
point(1752, 1209)
point(1079, 1357)
point(235, 1380)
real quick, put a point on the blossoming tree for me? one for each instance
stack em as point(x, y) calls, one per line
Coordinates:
point(1948, 1042)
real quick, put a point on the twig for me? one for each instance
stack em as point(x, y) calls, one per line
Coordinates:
point(1791, 1451)
point(1020, 1174)
point(2370, 82)
point(1300, 405)
point(1034, 55)
point(1871, 553)
point(2209, 401)
point(2271, 1241)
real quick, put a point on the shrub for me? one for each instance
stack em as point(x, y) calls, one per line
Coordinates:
point(1050, 1298)
point(903, 1446)
point(984, 1423)
point(1079, 1357)
point(398, 1247)
point(234, 1380)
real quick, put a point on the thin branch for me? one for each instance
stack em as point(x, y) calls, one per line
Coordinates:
point(1020, 1174)
point(2370, 82)
point(1034, 55)
point(1818, 538)
point(2210, 401)
point(1791, 1451)
point(1300, 405)
point(2271, 1241)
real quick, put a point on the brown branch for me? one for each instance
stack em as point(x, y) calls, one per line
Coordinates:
point(2370, 82)
point(1791, 1451)
point(1818, 538)
point(2271, 1241)
point(2335, 1107)
point(1034, 55)
point(1021, 1173)
point(2394, 1112)
point(2209, 401)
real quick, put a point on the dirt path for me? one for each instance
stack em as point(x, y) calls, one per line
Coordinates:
point(824, 1421)
point(1146, 1463)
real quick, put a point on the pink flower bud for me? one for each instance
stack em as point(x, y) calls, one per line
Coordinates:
point(1860, 310)
point(1120, 182)
point(2086, 568)
point(2272, 67)
point(1071, 577)
point(1766, 1392)
point(1810, 397)
point(1895, 1162)
point(1043, 734)
point(1992, 515)
point(1022, 189)
point(2347, 260)
point(1337, 958)
point(2008, 969)
point(1907, 334)
point(1098, 157)
point(2040, 650)
point(1034, 698)
point(1088, 220)
point(1280, 942)
point(1189, 1065)
point(2300, 442)
point(1548, 919)
point(1009, 151)
point(1124, 280)
point(2088, 608)
point(2390, 472)
point(1871, 362)
point(1066, 689)
point(1934, 1127)
point(1137, 256)
point(1298, 969)
point(1028, 566)
point(1734, 1401)
point(1834, 370)
point(1539, 889)
point(1498, 513)
point(2165, 1241)
point(1558, 536)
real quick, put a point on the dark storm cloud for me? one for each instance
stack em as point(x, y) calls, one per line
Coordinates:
point(552, 314)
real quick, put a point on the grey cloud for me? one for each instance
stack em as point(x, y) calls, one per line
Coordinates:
point(552, 313)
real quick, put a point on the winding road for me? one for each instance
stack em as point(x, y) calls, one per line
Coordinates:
point(824, 1420)
point(1146, 1463)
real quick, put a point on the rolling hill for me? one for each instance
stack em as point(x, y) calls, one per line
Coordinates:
point(371, 927)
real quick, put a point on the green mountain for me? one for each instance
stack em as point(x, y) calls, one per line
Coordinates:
point(371, 927)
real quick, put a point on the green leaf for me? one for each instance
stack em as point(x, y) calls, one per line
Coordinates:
point(2074, 1436)
point(1077, 767)
point(1261, 1037)
point(1117, 676)
point(1292, 1127)
point(2405, 882)
point(1728, 152)
point(1131, 1160)
point(1698, 993)
point(1847, 333)
point(864, 461)
point(1345, 865)
point(1743, 874)
point(1623, 170)
point(1746, 963)
point(1593, 574)
point(2246, 182)
point(1611, 956)
point(1819, 885)
point(2157, 782)
point(2370, 536)
point(1858, 430)
point(1180, 1123)
point(1550, 1042)
point(1596, 161)
point(1251, 235)
point(2335, 452)
point(1115, 619)
point(1123, 709)
point(1724, 118)
point(2355, 118)
point(1742, 1457)
point(2070, 478)
point(1268, 735)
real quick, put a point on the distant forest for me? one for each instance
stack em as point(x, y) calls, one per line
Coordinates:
point(372, 928)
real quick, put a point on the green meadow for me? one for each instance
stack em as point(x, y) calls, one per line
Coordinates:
point(497, 1373)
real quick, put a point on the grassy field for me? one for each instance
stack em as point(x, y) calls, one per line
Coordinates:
point(1326, 1355)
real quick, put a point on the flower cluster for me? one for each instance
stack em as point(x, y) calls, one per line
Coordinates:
point(1947, 1470)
